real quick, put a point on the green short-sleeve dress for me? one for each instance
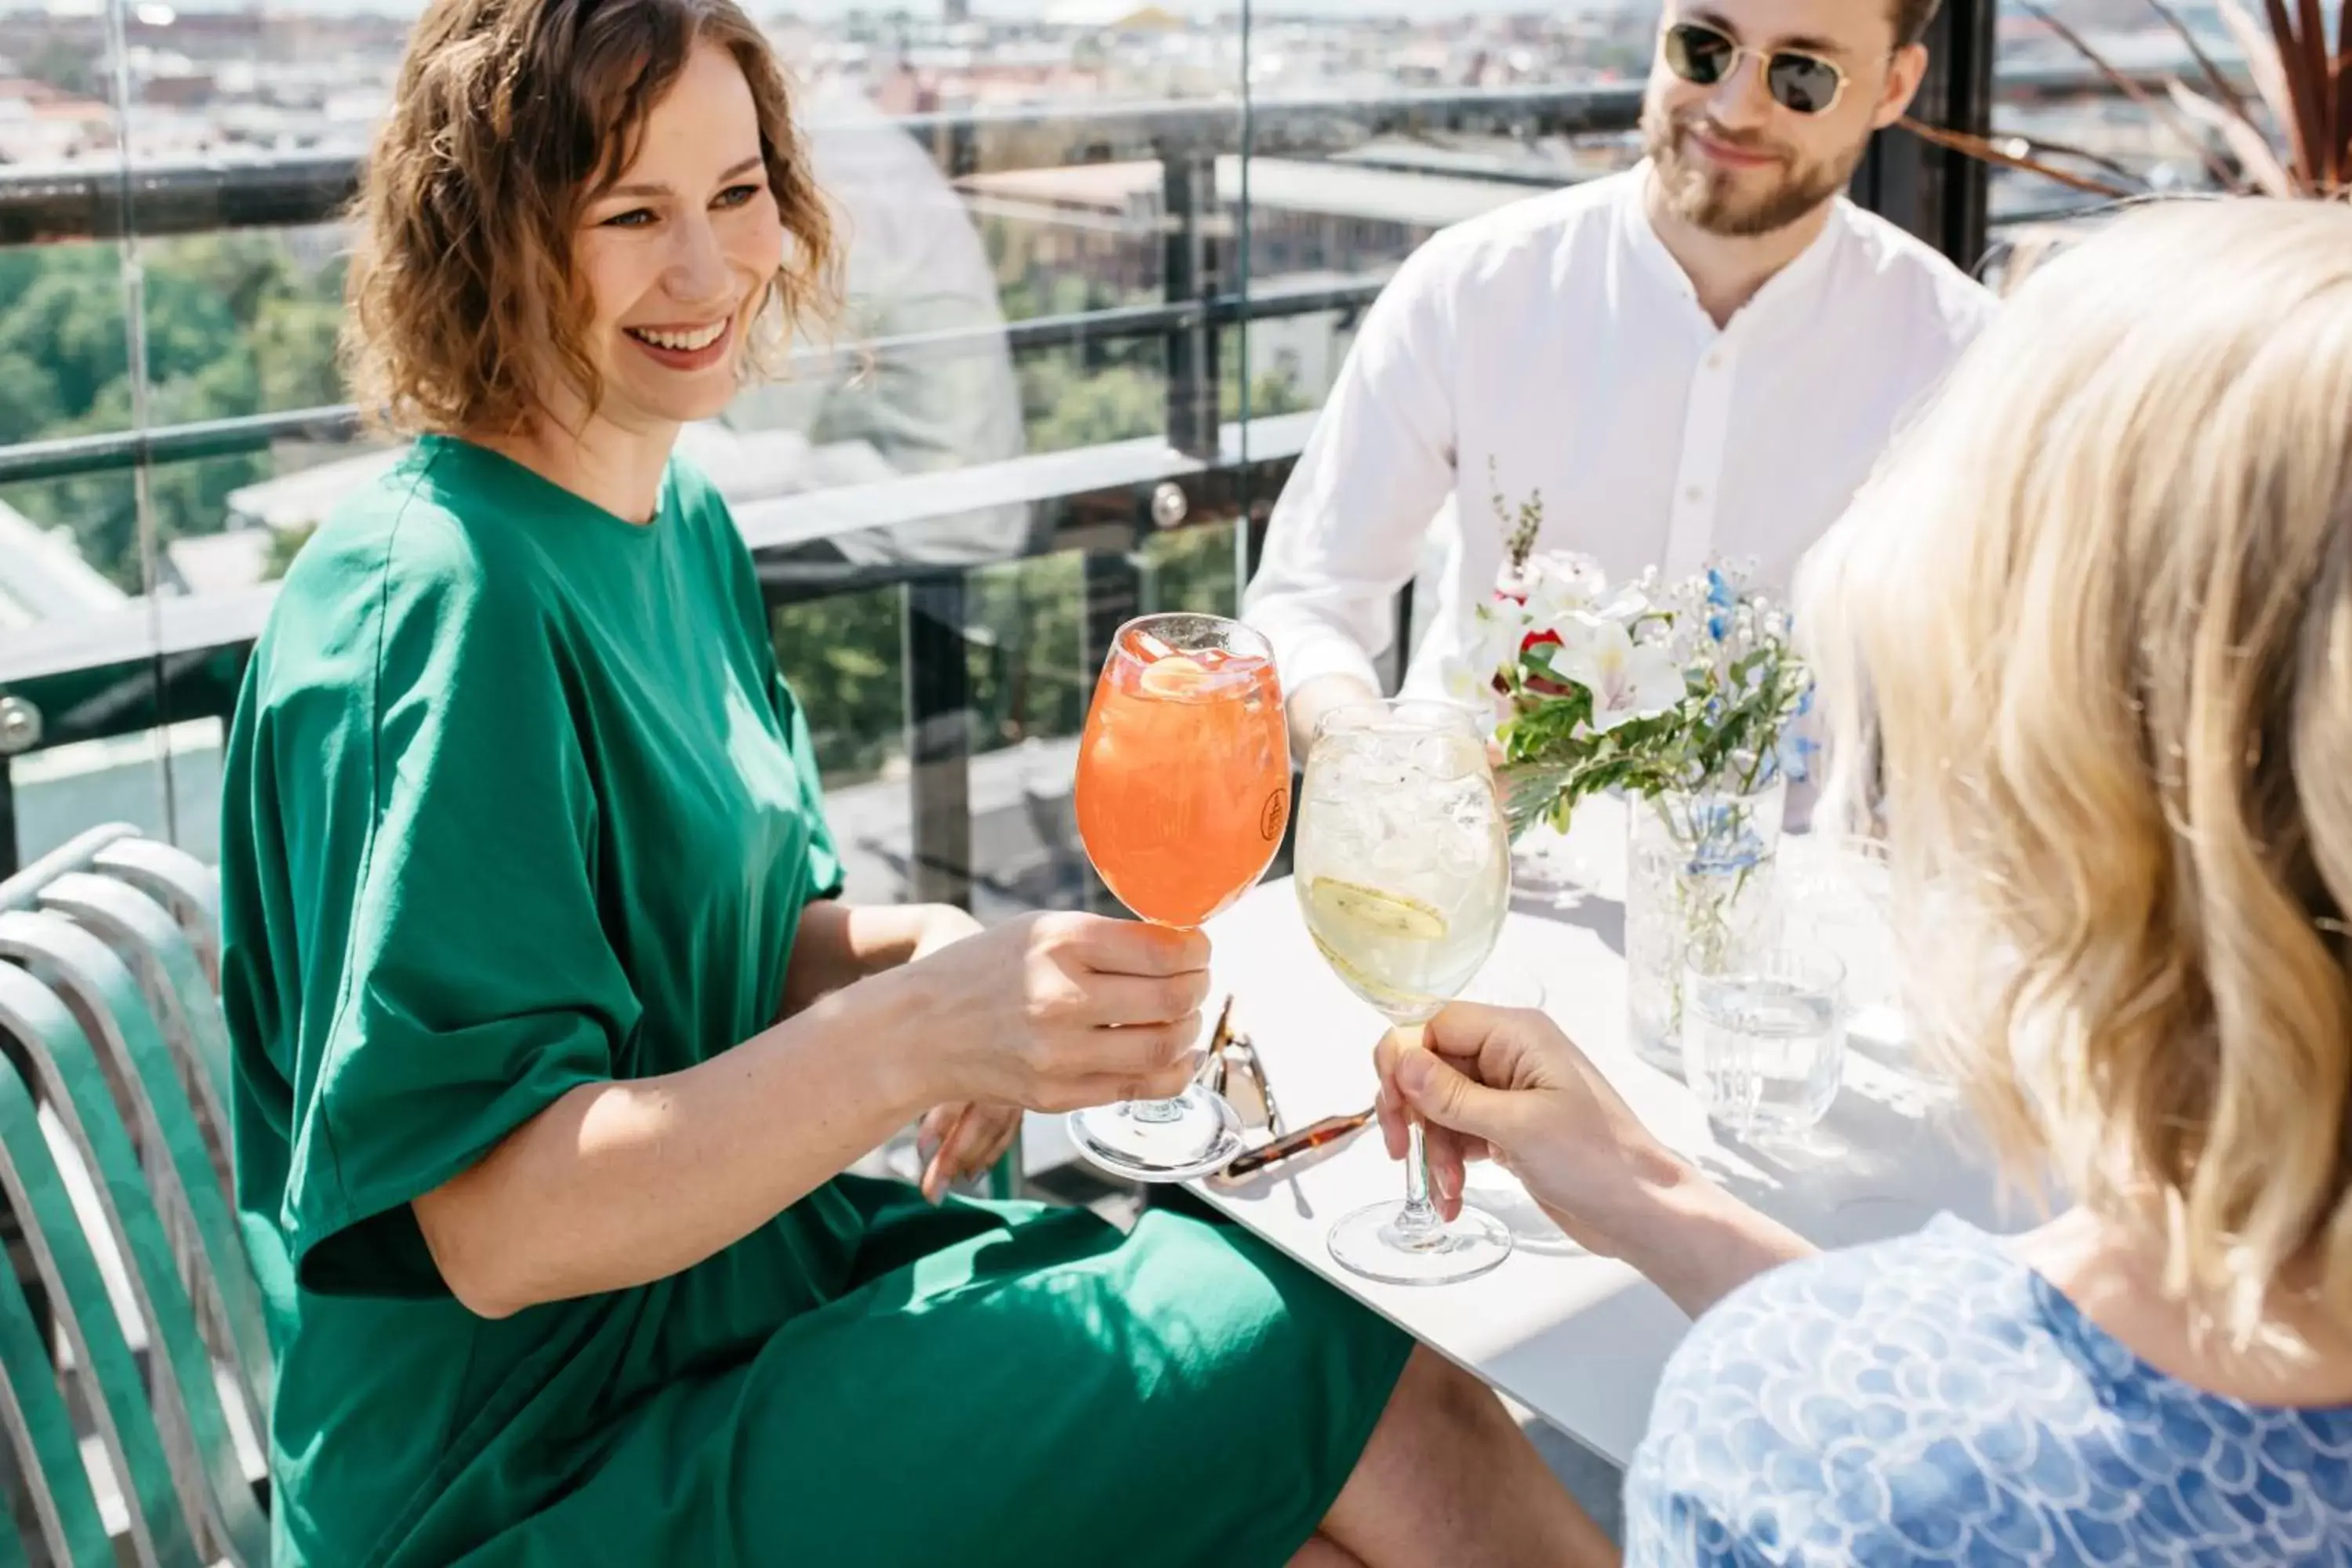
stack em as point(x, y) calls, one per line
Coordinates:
point(516, 800)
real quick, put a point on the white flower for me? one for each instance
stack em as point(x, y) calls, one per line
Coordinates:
point(1627, 680)
point(1629, 604)
point(1467, 683)
point(1496, 630)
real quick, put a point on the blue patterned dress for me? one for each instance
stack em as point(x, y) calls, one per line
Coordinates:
point(1933, 1400)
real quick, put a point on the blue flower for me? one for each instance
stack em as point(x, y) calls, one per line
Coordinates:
point(1716, 625)
point(1719, 589)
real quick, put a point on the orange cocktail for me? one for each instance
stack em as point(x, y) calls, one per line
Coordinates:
point(1184, 771)
point(1183, 788)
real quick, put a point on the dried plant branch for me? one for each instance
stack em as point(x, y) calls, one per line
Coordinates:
point(2343, 88)
point(2303, 147)
point(2223, 88)
point(2262, 59)
point(2251, 147)
point(2318, 92)
point(1990, 152)
point(2042, 145)
point(2303, 126)
point(2159, 107)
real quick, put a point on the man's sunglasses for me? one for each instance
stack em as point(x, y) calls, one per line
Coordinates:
point(1799, 82)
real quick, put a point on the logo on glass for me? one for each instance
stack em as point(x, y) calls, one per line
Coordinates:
point(1270, 820)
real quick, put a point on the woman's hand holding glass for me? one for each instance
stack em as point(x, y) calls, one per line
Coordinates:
point(1182, 789)
point(1509, 1085)
point(1052, 1012)
point(961, 1138)
point(1505, 1085)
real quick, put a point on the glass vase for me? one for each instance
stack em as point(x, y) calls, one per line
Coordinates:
point(1698, 887)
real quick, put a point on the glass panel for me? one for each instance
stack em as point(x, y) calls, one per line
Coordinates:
point(2054, 102)
point(841, 656)
point(1030, 675)
point(1021, 195)
point(236, 84)
point(1026, 701)
point(243, 322)
point(115, 745)
point(1192, 570)
point(141, 779)
point(64, 358)
point(74, 561)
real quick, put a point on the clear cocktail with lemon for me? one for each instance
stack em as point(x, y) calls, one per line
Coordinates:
point(1404, 873)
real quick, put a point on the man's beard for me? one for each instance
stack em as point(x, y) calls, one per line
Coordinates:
point(1713, 200)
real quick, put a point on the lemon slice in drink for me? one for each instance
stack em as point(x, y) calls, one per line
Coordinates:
point(1376, 912)
point(1175, 676)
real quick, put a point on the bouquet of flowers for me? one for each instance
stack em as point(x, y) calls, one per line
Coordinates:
point(1689, 687)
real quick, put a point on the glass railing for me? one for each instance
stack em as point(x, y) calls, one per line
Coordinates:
point(1101, 273)
point(1047, 413)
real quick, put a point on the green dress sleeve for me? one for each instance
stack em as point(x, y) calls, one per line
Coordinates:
point(476, 983)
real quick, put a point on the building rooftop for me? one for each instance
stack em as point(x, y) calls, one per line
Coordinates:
point(1416, 198)
point(43, 576)
point(1411, 198)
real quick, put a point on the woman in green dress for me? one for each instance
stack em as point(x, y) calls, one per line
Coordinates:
point(553, 1040)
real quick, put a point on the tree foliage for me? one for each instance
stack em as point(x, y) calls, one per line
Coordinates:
point(233, 325)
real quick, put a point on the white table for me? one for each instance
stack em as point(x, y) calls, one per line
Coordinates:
point(1579, 1340)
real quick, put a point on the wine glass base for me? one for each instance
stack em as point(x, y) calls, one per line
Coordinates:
point(1205, 1137)
point(1367, 1243)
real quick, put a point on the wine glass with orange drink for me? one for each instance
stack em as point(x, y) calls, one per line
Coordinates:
point(1183, 787)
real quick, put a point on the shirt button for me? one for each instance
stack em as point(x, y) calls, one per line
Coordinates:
point(1715, 362)
point(1693, 494)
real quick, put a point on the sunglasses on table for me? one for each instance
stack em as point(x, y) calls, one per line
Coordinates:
point(1799, 82)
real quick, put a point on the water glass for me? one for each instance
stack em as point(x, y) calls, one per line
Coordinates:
point(1764, 1036)
point(1835, 892)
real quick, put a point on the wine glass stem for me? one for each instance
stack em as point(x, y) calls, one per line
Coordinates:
point(1419, 1216)
point(1162, 1111)
point(1159, 1113)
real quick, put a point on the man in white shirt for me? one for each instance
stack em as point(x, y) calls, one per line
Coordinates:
point(1699, 359)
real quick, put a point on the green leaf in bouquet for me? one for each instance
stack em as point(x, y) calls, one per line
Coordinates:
point(1529, 792)
point(1537, 661)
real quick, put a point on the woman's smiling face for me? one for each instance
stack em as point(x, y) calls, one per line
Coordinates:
point(674, 260)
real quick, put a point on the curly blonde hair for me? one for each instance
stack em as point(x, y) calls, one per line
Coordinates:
point(2088, 639)
point(510, 118)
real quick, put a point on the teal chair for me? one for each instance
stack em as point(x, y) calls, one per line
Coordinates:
point(114, 1140)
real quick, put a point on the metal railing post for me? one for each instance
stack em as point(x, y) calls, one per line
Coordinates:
point(10, 854)
point(1114, 597)
point(1190, 272)
point(1940, 195)
point(938, 685)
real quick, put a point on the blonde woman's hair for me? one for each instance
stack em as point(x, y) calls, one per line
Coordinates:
point(2086, 640)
